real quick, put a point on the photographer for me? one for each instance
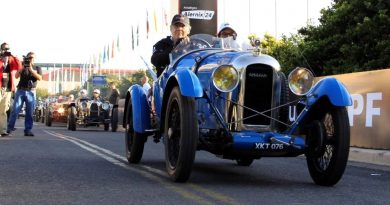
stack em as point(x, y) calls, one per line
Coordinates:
point(25, 93)
point(9, 65)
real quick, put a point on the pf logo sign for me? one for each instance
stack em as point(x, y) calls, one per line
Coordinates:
point(361, 103)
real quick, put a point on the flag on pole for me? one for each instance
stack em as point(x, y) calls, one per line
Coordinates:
point(117, 44)
point(147, 24)
point(113, 49)
point(137, 35)
point(104, 55)
point(108, 52)
point(132, 38)
point(155, 20)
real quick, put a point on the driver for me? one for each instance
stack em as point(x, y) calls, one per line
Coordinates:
point(96, 95)
point(180, 29)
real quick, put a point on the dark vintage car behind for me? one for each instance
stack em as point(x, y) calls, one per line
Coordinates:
point(86, 112)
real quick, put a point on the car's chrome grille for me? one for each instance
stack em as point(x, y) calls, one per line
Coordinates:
point(258, 93)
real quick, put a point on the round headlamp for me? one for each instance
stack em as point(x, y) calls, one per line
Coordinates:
point(105, 106)
point(300, 81)
point(225, 78)
point(61, 110)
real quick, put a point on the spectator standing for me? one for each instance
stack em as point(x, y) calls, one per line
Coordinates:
point(29, 75)
point(114, 96)
point(9, 65)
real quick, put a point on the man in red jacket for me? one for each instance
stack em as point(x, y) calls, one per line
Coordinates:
point(9, 65)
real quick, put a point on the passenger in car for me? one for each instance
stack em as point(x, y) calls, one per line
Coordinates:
point(229, 35)
point(180, 29)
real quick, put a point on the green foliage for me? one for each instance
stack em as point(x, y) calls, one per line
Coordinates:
point(353, 36)
point(42, 93)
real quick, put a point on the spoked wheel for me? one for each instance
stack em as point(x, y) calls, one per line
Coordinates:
point(245, 162)
point(328, 151)
point(181, 135)
point(134, 141)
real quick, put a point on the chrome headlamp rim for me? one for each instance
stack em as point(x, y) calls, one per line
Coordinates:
point(105, 106)
point(236, 74)
point(300, 81)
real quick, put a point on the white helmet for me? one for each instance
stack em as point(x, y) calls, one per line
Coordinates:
point(224, 26)
point(83, 92)
point(96, 91)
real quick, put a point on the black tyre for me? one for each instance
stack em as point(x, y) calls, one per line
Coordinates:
point(134, 141)
point(114, 120)
point(328, 151)
point(181, 135)
point(245, 162)
point(49, 119)
point(72, 119)
point(42, 116)
point(106, 126)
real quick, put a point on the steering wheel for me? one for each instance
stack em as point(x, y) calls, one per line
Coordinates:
point(199, 43)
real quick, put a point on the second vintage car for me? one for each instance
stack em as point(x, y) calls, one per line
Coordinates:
point(87, 112)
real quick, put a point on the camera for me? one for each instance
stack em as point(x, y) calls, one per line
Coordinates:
point(26, 61)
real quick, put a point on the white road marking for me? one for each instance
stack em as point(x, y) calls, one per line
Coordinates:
point(161, 178)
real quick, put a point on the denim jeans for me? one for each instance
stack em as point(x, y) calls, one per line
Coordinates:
point(27, 97)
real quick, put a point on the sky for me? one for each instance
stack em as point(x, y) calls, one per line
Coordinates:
point(75, 31)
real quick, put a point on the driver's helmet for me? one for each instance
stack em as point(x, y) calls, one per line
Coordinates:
point(226, 27)
point(96, 91)
point(83, 93)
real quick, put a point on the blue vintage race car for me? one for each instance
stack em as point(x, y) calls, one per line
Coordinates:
point(234, 104)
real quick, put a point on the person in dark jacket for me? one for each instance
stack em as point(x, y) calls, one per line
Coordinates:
point(180, 29)
point(29, 75)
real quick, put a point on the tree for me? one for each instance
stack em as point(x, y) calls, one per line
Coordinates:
point(354, 35)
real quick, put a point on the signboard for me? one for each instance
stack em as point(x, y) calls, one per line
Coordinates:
point(99, 80)
point(202, 15)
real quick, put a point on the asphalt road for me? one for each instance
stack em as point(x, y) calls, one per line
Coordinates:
point(88, 166)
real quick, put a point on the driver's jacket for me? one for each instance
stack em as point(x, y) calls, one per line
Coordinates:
point(161, 50)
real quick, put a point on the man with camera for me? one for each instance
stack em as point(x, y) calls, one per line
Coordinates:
point(29, 75)
point(9, 65)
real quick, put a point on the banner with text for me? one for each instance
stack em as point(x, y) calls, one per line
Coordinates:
point(202, 15)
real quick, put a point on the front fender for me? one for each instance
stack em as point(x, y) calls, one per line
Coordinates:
point(333, 89)
point(189, 83)
point(140, 109)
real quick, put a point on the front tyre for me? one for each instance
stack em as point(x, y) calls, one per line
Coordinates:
point(328, 158)
point(114, 119)
point(180, 135)
point(134, 141)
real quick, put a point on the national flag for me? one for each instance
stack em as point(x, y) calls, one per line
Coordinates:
point(147, 24)
point(132, 38)
point(113, 49)
point(117, 44)
point(155, 20)
point(137, 35)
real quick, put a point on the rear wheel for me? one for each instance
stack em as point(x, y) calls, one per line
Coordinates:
point(181, 135)
point(134, 141)
point(328, 140)
point(114, 119)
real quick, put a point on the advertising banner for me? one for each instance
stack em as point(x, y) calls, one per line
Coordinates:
point(202, 15)
point(99, 80)
point(370, 113)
